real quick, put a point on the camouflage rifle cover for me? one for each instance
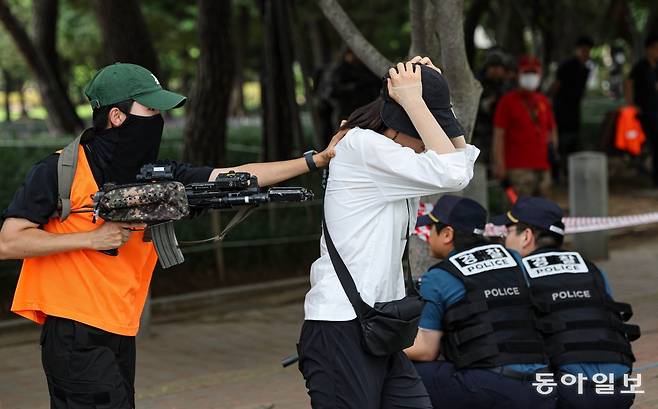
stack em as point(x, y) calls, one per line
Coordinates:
point(145, 202)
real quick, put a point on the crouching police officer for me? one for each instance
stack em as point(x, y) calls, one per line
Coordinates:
point(584, 329)
point(478, 315)
point(89, 302)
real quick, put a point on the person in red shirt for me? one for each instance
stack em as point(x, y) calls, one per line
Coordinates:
point(523, 127)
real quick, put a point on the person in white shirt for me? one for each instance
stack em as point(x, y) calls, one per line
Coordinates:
point(404, 145)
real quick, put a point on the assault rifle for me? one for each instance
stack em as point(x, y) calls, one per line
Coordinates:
point(157, 200)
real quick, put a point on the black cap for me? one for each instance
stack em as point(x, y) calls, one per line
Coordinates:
point(460, 213)
point(436, 95)
point(535, 211)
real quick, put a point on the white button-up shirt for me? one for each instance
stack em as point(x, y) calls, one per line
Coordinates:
point(367, 215)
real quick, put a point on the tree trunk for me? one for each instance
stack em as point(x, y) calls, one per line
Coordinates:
point(473, 16)
point(126, 37)
point(465, 90)
point(634, 33)
point(306, 63)
point(44, 25)
point(8, 82)
point(236, 107)
point(282, 132)
point(433, 42)
point(21, 98)
point(370, 56)
point(205, 130)
point(651, 26)
point(618, 16)
point(61, 113)
point(559, 34)
point(509, 28)
point(323, 52)
point(320, 45)
point(418, 34)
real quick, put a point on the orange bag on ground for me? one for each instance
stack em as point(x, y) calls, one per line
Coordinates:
point(629, 136)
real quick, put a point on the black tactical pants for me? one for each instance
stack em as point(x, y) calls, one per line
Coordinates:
point(87, 367)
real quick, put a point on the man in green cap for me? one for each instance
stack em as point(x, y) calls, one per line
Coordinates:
point(88, 302)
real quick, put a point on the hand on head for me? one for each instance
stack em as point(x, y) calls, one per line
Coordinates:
point(425, 61)
point(404, 84)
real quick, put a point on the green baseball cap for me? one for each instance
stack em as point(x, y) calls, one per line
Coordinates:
point(119, 82)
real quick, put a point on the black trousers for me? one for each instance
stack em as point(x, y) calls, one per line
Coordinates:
point(450, 388)
point(341, 375)
point(87, 367)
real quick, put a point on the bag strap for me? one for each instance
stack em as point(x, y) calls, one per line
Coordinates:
point(409, 285)
point(66, 166)
point(344, 276)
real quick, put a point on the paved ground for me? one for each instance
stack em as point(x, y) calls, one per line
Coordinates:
point(232, 360)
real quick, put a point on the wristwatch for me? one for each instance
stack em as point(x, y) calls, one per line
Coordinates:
point(308, 155)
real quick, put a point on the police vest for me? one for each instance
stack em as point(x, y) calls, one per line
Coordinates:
point(579, 320)
point(86, 285)
point(493, 324)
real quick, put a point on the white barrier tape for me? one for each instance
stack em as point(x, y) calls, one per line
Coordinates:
point(587, 224)
point(571, 224)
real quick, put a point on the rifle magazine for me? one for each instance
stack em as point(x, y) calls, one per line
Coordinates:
point(166, 244)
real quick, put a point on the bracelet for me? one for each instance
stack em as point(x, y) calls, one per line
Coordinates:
point(308, 156)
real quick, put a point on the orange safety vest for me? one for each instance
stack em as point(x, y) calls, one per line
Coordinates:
point(629, 136)
point(86, 285)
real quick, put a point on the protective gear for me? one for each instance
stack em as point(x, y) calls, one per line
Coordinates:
point(529, 81)
point(494, 324)
point(122, 151)
point(86, 285)
point(580, 321)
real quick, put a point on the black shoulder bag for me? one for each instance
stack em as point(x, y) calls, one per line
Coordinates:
point(388, 327)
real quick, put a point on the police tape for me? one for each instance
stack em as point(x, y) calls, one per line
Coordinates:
point(589, 224)
point(572, 225)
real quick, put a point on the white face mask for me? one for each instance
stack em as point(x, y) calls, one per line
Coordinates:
point(529, 81)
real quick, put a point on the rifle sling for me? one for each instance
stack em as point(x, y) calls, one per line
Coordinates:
point(242, 214)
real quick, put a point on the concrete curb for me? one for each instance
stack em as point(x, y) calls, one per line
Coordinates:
point(221, 299)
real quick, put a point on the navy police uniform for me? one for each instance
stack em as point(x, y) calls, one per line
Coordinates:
point(479, 298)
point(585, 331)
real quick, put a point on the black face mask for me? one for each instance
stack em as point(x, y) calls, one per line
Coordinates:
point(121, 152)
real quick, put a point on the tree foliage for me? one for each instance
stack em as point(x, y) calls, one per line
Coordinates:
point(543, 27)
